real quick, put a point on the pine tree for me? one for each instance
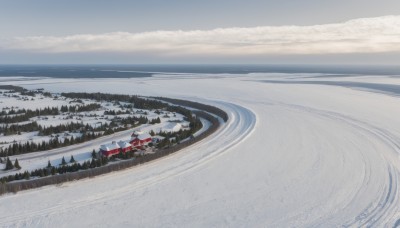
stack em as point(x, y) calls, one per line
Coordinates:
point(9, 165)
point(72, 160)
point(92, 163)
point(16, 164)
point(63, 162)
point(49, 164)
point(27, 175)
point(94, 153)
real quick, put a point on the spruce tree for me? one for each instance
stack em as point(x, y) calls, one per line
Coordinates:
point(94, 153)
point(27, 175)
point(9, 165)
point(49, 164)
point(72, 160)
point(16, 164)
point(63, 162)
point(92, 163)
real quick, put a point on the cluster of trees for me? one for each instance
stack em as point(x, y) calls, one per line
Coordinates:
point(65, 167)
point(28, 147)
point(28, 93)
point(18, 176)
point(12, 129)
point(155, 121)
point(10, 165)
point(53, 170)
point(27, 114)
point(113, 112)
point(12, 112)
point(134, 121)
point(13, 88)
point(80, 108)
point(72, 126)
point(138, 102)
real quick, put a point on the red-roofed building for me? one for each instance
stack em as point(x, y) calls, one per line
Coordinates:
point(124, 146)
point(109, 149)
point(140, 139)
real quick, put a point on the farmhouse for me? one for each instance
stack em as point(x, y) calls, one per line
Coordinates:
point(109, 149)
point(124, 146)
point(140, 139)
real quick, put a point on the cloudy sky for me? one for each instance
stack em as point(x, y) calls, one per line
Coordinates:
point(187, 31)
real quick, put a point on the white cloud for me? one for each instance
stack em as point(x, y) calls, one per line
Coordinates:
point(368, 35)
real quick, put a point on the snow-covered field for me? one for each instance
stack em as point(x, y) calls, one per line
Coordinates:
point(298, 150)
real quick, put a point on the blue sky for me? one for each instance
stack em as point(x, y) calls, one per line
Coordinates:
point(47, 31)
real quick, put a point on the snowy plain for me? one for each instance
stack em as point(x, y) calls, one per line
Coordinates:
point(296, 152)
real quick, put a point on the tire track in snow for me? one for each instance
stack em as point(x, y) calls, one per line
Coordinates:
point(385, 209)
point(240, 125)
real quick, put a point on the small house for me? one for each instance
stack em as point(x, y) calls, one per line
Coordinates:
point(140, 139)
point(110, 149)
point(124, 146)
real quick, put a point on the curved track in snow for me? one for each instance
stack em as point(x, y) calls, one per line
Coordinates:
point(239, 126)
point(385, 208)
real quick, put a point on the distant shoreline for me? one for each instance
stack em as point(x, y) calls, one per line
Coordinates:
point(140, 71)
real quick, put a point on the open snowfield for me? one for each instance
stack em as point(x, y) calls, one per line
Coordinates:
point(306, 150)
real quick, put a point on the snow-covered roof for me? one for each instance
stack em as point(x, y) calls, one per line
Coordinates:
point(159, 137)
point(140, 135)
point(172, 127)
point(144, 136)
point(108, 147)
point(123, 144)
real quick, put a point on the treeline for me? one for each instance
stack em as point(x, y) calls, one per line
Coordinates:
point(208, 108)
point(138, 102)
point(64, 167)
point(111, 167)
point(13, 88)
point(114, 113)
point(155, 121)
point(12, 112)
point(26, 114)
point(54, 170)
point(72, 126)
point(54, 143)
point(43, 131)
point(29, 114)
point(134, 121)
point(80, 108)
point(13, 129)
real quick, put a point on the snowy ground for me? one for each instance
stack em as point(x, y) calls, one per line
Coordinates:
point(298, 150)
